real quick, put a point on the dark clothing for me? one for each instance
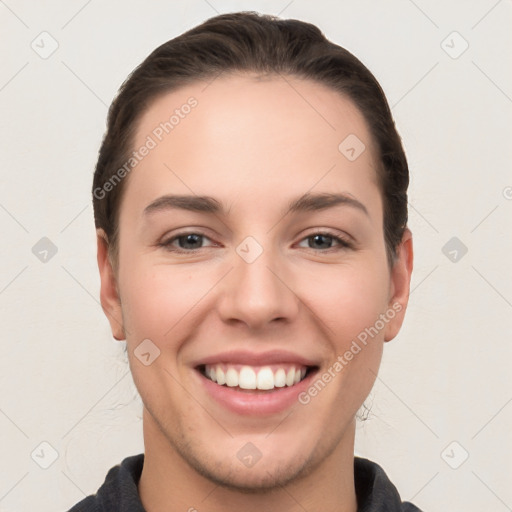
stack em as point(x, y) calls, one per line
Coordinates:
point(375, 492)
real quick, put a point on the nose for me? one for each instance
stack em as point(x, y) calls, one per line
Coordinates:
point(258, 293)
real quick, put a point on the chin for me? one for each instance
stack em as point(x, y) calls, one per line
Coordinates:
point(261, 478)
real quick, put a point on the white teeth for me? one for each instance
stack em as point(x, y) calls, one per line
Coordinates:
point(290, 377)
point(247, 377)
point(221, 376)
point(231, 378)
point(280, 378)
point(265, 378)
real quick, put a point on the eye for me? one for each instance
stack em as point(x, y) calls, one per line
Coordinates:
point(323, 241)
point(191, 241)
point(185, 242)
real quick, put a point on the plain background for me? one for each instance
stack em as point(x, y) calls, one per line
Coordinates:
point(444, 391)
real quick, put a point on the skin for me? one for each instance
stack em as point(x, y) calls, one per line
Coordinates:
point(253, 144)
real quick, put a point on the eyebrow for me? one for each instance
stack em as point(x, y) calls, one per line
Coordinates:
point(207, 204)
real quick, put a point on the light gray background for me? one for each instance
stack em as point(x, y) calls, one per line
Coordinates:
point(446, 378)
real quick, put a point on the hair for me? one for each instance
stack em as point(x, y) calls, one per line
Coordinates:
point(249, 42)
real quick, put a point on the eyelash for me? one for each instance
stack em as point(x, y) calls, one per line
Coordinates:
point(343, 242)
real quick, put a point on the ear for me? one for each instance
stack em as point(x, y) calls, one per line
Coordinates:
point(109, 294)
point(400, 286)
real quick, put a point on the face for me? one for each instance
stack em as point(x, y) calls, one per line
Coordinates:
point(251, 252)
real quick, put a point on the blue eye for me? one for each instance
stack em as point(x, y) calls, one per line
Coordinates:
point(192, 239)
point(187, 242)
point(317, 240)
point(191, 242)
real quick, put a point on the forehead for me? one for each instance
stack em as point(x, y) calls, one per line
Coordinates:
point(277, 108)
point(244, 132)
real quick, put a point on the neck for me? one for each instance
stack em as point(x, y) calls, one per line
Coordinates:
point(168, 483)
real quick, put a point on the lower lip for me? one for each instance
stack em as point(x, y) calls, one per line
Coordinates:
point(257, 403)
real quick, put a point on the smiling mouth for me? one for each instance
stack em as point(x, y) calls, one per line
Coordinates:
point(256, 379)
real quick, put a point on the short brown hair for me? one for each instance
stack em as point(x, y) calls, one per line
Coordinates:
point(251, 42)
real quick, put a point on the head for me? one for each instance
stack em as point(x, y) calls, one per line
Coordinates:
point(286, 237)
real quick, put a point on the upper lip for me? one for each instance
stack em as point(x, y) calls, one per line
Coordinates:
point(256, 358)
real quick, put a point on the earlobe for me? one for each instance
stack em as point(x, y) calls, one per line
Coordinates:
point(400, 285)
point(109, 293)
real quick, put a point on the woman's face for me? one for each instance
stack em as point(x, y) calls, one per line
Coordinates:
point(256, 286)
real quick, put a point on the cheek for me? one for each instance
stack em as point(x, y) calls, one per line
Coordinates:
point(347, 299)
point(165, 303)
point(158, 304)
point(350, 304)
